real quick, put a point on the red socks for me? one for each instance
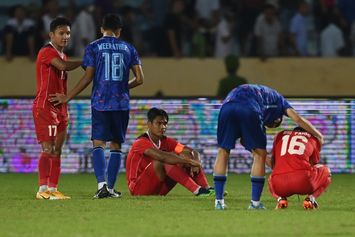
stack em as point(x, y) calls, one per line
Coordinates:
point(201, 179)
point(43, 168)
point(179, 175)
point(48, 170)
point(54, 171)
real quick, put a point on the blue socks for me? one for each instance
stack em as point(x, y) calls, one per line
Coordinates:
point(99, 163)
point(257, 185)
point(219, 183)
point(113, 167)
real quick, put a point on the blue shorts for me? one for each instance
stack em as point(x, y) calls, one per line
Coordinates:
point(240, 120)
point(109, 125)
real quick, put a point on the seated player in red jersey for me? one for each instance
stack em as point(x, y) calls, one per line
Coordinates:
point(156, 163)
point(295, 158)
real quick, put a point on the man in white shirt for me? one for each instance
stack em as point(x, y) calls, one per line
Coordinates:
point(331, 39)
point(267, 29)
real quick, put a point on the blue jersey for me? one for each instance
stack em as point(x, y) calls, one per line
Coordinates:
point(112, 59)
point(270, 104)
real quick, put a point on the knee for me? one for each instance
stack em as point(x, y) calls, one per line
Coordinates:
point(223, 153)
point(97, 143)
point(115, 146)
point(48, 150)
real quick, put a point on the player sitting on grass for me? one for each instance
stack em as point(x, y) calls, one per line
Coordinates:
point(155, 162)
point(295, 158)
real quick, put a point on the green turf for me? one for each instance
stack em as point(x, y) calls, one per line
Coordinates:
point(178, 214)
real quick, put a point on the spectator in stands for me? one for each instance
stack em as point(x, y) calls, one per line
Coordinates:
point(248, 12)
point(174, 30)
point(199, 37)
point(352, 38)
point(267, 30)
point(51, 9)
point(19, 35)
point(298, 30)
point(331, 39)
point(225, 41)
point(232, 80)
point(158, 10)
point(84, 30)
point(208, 10)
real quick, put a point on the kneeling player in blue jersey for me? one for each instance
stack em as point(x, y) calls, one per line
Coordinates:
point(244, 114)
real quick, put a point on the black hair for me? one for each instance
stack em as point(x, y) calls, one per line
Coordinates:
point(155, 112)
point(268, 6)
point(59, 21)
point(112, 22)
point(299, 129)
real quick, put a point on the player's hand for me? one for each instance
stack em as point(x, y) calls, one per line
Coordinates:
point(321, 139)
point(58, 99)
point(194, 164)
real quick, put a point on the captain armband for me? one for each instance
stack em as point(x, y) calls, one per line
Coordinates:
point(179, 148)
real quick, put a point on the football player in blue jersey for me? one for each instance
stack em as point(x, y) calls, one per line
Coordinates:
point(108, 62)
point(244, 114)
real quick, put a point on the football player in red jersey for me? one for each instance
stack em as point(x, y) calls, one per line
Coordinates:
point(156, 163)
point(295, 158)
point(51, 121)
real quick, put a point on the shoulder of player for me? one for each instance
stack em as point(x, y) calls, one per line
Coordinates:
point(46, 48)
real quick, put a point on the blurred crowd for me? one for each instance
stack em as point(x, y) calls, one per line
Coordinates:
point(191, 28)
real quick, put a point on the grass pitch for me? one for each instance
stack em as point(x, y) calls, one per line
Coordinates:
point(178, 214)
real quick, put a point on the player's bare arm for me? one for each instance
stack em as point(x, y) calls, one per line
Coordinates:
point(65, 65)
point(58, 98)
point(138, 77)
point(170, 158)
point(189, 153)
point(305, 124)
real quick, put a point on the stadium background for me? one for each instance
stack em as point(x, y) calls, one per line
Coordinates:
point(320, 89)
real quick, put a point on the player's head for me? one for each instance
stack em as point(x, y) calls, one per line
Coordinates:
point(60, 31)
point(276, 123)
point(111, 22)
point(232, 63)
point(157, 121)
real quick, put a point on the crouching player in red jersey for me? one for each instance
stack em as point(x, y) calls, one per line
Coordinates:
point(295, 158)
point(51, 121)
point(155, 163)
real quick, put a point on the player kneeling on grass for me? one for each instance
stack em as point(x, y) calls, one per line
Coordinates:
point(155, 162)
point(295, 158)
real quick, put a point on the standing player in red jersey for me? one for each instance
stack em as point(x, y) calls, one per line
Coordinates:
point(51, 121)
point(155, 163)
point(295, 158)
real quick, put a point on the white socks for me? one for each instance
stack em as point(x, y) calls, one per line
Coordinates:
point(52, 190)
point(221, 201)
point(42, 188)
point(100, 185)
point(255, 203)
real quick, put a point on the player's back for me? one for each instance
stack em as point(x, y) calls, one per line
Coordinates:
point(112, 59)
point(294, 150)
point(262, 99)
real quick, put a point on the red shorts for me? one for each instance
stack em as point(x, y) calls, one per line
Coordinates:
point(303, 182)
point(148, 183)
point(48, 124)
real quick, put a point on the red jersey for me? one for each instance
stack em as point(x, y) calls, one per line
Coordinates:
point(50, 80)
point(294, 150)
point(136, 160)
